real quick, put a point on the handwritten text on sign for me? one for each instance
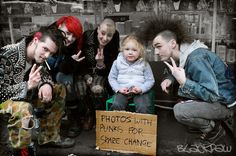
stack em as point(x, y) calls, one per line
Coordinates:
point(125, 131)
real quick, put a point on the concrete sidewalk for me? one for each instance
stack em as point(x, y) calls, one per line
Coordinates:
point(171, 140)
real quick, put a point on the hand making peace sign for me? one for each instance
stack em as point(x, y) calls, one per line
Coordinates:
point(177, 72)
point(77, 58)
point(34, 77)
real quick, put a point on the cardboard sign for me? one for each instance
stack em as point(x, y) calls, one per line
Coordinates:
point(126, 132)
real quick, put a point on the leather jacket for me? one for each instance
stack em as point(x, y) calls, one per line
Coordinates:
point(89, 49)
point(13, 77)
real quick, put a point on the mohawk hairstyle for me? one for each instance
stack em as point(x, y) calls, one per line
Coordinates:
point(53, 33)
point(156, 24)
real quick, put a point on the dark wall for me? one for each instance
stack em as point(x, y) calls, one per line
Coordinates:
point(160, 71)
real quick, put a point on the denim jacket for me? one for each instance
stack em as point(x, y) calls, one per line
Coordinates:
point(208, 78)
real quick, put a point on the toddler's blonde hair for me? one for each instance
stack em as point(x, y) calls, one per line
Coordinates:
point(136, 40)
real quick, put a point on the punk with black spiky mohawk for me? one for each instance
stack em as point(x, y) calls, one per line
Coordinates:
point(156, 24)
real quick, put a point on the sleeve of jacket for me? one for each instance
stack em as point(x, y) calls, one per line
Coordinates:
point(87, 51)
point(203, 84)
point(45, 77)
point(112, 77)
point(67, 65)
point(149, 79)
point(113, 50)
point(9, 90)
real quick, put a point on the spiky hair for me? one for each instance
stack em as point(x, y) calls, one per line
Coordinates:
point(156, 24)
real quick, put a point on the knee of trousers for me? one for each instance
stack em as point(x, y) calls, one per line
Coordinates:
point(117, 106)
point(141, 108)
point(179, 112)
point(97, 89)
point(59, 91)
point(13, 107)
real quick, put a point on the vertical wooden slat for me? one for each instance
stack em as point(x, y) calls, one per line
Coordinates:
point(213, 38)
point(11, 29)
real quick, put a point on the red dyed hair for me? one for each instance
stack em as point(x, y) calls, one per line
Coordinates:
point(74, 26)
point(38, 35)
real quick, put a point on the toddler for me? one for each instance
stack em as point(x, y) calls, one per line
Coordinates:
point(131, 76)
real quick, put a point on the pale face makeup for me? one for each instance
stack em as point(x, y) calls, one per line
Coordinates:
point(105, 34)
point(70, 38)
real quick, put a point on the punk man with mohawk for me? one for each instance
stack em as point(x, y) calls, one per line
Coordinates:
point(205, 81)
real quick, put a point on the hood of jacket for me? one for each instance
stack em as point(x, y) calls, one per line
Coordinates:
point(186, 49)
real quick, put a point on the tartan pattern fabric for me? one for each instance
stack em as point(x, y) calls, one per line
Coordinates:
point(80, 86)
point(97, 86)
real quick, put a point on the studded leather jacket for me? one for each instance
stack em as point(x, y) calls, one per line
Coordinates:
point(13, 77)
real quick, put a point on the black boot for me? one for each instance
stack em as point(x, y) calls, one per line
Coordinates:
point(89, 114)
point(88, 120)
point(74, 119)
point(32, 150)
point(5, 146)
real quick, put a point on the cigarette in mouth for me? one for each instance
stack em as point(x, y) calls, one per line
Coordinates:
point(47, 65)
